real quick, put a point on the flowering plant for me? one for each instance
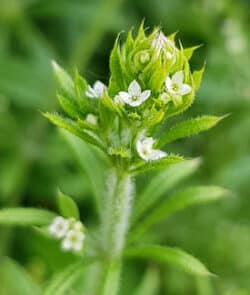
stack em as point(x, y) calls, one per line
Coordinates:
point(150, 81)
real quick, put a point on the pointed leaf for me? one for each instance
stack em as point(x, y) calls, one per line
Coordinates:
point(16, 280)
point(63, 79)
point(197, 77)
point(69, 106)
point(188, 128)
point(116, 82)
point(155, 165)
point(150, 284)
point(172, 256)
point(188, 52)
point(72, 127)
point(189, 196)
point(62, 282)
point(162, 183)
point(89, 161)
point(67, 206)
point(25, 216)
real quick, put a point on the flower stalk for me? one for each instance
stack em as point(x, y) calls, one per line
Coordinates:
point(151, 80)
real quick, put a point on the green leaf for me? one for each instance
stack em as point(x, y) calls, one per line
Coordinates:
point(155, 165)
point(189, 127)
point(16, 280)
point(197, 77)
point(112, 278)
point(187, 197)
point(63, 79)
point(150, 284)
point(188, 52)
point(67, 206)
point(204, 286)
point(162, 183)
point(72, 127)
point(89, 161)
point(25, 216)
point(116, 80)
point(61, 283)
point(69, 106)
point(172, 256)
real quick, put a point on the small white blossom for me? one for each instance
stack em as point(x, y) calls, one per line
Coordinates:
point(163, 43)
point(146, 151)
point(175, 86)
point(59, 227)
point(97, 91)
point(78, 226)
point(134, 97)
point(73, 241)
point(91, 119)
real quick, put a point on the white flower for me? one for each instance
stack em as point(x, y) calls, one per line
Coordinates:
point(145, 149)
point(59, 227)
point(91, 119)
point(163, 43)
point(97, 91)
point(175, 86)
point(73, 241)
point(134, 97)
point(77, 226)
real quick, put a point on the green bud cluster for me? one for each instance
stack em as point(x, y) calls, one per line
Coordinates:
point(150, 81)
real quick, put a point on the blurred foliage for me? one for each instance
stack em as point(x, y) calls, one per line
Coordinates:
point(35, 158)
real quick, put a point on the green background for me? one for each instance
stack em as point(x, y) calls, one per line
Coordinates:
point(35, 159)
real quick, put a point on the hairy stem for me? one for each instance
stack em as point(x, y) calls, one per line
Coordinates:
point(116, 218)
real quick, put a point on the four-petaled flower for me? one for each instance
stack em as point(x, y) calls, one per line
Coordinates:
point(134, 97)
point(144, 147)
point(59, 227)
point(73, 241)
point(175, 86)
point(97, 91)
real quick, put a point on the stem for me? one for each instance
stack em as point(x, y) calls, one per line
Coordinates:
point(115, 227)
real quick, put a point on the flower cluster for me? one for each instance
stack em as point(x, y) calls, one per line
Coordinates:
point(70, 231)
point(150, 81)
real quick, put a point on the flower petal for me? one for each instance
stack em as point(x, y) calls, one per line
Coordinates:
point(185, 89)
point(90, 92)
point(156, 155)
point(134, 88)
point(77, 246)
point(124, 96)
point(168, 83)
point(178, 78)
point(99, 88)
point(145, 95)
point(66, 245)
